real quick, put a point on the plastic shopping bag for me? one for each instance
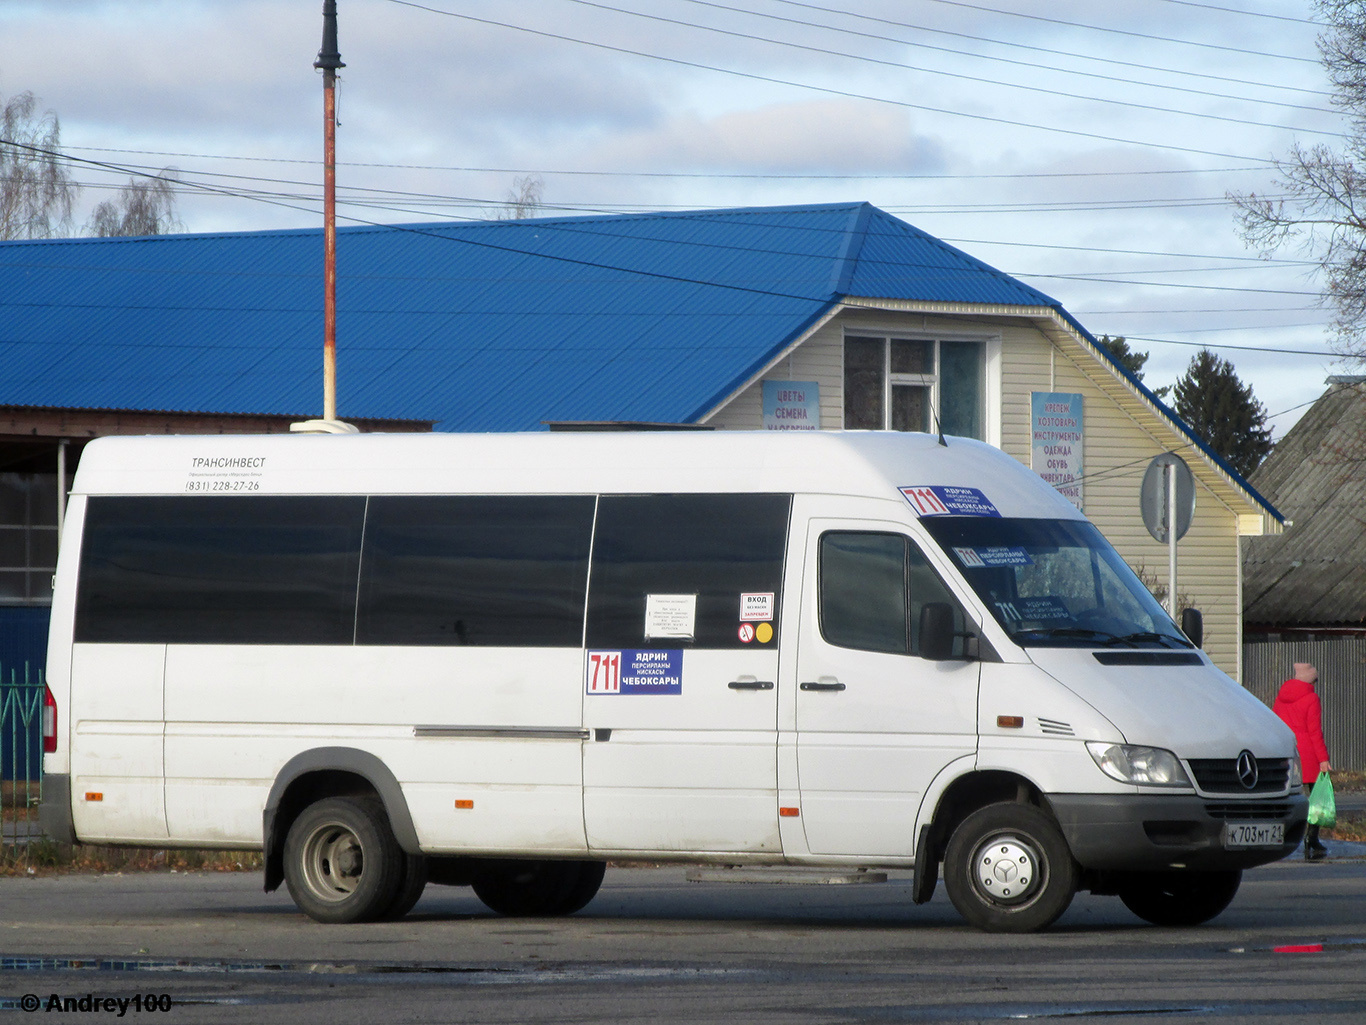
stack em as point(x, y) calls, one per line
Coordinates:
point(1323, 810)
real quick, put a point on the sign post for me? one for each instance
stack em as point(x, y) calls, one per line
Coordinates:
point(1167, 502)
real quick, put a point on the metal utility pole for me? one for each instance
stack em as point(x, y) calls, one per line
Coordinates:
point(329, 60)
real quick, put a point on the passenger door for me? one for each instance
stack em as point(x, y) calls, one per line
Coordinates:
point(875, 722)
point(681, 669)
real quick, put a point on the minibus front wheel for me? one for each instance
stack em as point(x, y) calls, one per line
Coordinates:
point(1008, 868)
point(342, 863)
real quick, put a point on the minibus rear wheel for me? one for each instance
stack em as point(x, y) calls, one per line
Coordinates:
point(1179, 898)
point(342, 863)
point(1008, 869)
point(538, 888)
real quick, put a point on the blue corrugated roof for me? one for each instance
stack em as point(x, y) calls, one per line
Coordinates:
point(494, 325)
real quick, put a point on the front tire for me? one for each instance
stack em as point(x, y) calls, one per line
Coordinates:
point(1179, 898)
point(1008, 868)
point(410, 889)
point(538, 889)
point(342, 863)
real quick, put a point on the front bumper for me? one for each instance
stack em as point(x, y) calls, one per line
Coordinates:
point(1136, 833)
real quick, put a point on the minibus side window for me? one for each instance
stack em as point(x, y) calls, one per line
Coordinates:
point(872, 588)
point(479, 570)
point(211, 569)
point(714, 546)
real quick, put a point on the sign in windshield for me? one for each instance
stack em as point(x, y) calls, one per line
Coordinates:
point(1054, 582)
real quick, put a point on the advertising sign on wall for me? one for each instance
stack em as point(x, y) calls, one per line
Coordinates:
point(1056, 449)
point(792, 405)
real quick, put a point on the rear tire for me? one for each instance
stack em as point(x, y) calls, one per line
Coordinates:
point(538, 889)
point(1008, 869)
point(342, 863)
point(410, 888)
point(1179, 898)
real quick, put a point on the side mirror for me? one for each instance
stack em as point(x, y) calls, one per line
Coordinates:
point(936, 631)
point(1193, 626)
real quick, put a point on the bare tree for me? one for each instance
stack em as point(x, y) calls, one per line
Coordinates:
point(523, 199)
point(1325, 212)
point(36, 190)
point(146, 206)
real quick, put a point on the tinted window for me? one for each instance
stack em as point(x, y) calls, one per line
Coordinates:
point(220, 570)
point(716, 547)
point(872, 589)
point(863, 591)
point(482, 570)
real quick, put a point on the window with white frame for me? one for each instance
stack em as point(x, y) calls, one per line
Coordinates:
point(907, 384)
point(28, 537)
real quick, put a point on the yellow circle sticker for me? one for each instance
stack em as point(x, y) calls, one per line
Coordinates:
point(763, 633)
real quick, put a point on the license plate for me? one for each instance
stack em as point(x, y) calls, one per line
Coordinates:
point(1253, 834)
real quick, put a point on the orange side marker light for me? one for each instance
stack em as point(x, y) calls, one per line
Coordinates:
point(463, 805)
point(789, 813)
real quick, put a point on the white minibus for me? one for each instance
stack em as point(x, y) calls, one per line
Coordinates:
point(504, 660)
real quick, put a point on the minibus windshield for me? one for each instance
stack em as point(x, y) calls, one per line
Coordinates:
point(1054, 582)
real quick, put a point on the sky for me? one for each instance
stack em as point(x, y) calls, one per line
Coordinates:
point(1087, 149)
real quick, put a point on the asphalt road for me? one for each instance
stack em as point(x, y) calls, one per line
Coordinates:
point(655, 948)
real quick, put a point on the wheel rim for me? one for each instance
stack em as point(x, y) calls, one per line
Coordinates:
point(333, 862)
point(1007, 870)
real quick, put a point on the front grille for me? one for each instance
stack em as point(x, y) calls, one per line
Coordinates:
point(1248, 810)
point(1220, 776)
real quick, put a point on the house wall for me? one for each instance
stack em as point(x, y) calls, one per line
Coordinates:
point(1121, 438)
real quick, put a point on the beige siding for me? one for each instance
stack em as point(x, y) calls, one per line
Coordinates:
point(1122, 435)
point(820, 358)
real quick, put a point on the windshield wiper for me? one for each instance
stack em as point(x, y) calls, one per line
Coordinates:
point(1135, 638)
point(1071, 631)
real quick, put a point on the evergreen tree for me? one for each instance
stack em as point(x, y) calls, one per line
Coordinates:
point(1223, 412)
point(1130, 359)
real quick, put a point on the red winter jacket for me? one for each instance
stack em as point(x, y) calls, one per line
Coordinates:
point(1298, 706)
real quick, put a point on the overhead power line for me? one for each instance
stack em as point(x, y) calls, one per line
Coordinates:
point(276, 200)
point(705, 175)
point(1240, 13)
point(1123, 32)
point(1015, 44)
point(829, 91)
point(1033, 66)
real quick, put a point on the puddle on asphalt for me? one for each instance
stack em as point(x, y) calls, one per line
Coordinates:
point(463, 973)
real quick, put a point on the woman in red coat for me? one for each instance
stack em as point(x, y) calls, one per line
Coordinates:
point(1298, 706)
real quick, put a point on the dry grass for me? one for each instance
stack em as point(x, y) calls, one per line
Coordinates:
point(1348, 782)
point(45, 857)
point(1349, 827)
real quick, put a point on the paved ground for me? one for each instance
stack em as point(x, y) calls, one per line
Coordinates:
point(654, 949)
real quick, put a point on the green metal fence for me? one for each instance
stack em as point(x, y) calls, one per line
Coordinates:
point(21, 752)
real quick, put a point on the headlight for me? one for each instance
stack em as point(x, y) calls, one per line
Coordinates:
point(1296, 771)
point(1143, 766)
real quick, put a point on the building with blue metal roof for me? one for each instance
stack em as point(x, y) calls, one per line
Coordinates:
point(833, 316)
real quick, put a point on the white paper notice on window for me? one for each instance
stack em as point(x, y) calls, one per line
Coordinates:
point(671, 615)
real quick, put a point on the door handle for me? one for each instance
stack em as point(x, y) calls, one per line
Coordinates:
point(824, 683)
point(750, 683)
